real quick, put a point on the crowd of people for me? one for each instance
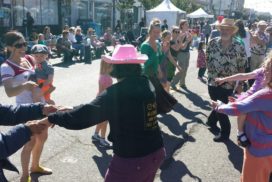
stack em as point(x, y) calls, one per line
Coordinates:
point(231, 55)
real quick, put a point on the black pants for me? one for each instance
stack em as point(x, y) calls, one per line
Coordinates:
point(207, 38)
point(222, 94)
point(201, 72)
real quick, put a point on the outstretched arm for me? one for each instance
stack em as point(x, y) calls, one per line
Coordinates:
point(239, 77)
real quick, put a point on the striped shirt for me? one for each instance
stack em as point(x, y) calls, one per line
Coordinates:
point(258, 125)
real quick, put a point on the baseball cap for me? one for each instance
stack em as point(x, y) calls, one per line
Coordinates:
point(39, 49)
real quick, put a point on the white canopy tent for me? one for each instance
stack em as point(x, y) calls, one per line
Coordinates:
point(165, 10)
point(200, 13)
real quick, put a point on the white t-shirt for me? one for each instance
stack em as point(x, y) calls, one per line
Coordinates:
point(246, 41)
point(19, 75)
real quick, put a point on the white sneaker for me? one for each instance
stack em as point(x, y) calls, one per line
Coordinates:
point(96, 138)
point(104, 143)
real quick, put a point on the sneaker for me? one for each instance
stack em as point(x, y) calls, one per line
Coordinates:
point(242, 140)
point(104, 143)
point(220, 138)
point(96, 138)
point(173, 87)
point(183, 86)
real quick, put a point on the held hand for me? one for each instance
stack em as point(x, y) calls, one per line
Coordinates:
point(231, 99)
point(35, 127)
point(30, 85)
point(214, 104)
point(46, 123)
point(219, 81)
point(64, 108)
point(47, 109)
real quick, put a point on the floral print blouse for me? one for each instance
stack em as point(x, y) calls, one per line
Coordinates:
point(224, 62)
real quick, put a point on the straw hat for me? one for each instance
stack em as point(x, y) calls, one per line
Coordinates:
point(125, 54)
point(262, 23)
point(228, 23)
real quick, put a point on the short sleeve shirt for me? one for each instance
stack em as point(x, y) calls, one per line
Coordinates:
point(223, 63)
point(19, 75)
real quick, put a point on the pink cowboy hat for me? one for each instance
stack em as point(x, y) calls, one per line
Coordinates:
point(125, 54)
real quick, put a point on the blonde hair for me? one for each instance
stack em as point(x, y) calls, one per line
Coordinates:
point(154, 23)
point(268, 69)
point(165, 33)
point(105, 68)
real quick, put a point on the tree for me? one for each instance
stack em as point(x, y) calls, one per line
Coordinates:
point(186, 5)
point(124, 7)
point(149, 4)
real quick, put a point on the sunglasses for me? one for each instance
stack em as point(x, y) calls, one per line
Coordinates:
point(175, 31)
point(20, 45)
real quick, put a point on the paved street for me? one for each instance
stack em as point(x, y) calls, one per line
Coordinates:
point(191, 153)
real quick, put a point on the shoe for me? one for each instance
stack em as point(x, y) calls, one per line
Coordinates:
point(220, 138)
point(173, 87)
point(28, 179)
point(183, 86)
point(42, 170)
point(96, 138)
point(242, 140)
point(104, 143)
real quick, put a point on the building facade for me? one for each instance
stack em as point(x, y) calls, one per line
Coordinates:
point(227, 8)
point(57, 13)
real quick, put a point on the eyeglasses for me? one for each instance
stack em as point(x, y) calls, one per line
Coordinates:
point(176, 32)
point(20, 45)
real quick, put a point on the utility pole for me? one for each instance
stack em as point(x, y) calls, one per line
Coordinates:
point(113, 14)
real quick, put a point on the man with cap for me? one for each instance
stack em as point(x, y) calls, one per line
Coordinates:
point(130, 107)
point(225, 57)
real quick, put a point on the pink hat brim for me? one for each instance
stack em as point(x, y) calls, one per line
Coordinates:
point(140, 59)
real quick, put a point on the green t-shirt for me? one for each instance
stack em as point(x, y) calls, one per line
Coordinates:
point(154, 58)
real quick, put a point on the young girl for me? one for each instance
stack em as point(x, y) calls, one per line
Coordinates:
point(44, 71)
point(201, 62)
point(104, 82)
point(166, 37)
point(258, 75)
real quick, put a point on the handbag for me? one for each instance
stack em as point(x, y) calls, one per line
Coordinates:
point(165, 101)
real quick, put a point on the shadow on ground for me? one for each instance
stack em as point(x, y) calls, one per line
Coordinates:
point(102, 161)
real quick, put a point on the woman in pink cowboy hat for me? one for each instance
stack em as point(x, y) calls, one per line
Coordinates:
point(130, 107)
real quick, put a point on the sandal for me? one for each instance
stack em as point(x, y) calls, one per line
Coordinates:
point(27, 180)
point(42, 170)
point(243, 143)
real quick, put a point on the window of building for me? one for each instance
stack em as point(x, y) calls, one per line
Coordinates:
point(43, 12)
point(103, 14)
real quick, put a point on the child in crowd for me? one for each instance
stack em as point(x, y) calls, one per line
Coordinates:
point(44, 71)
point(201, 62)
point(166, 37)
point(104, 82)
point(259, 76)
point(41, 39)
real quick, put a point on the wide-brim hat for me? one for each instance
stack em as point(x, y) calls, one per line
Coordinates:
point(227, 23)
point(262, 23)
point(125, 54)
point(39, 49)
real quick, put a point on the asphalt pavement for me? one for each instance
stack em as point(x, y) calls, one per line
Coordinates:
point(191, 153)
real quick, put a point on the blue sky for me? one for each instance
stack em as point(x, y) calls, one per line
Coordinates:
point(259, 5)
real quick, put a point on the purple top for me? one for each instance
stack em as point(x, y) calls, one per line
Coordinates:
point(258, 125)
point(258, 84)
